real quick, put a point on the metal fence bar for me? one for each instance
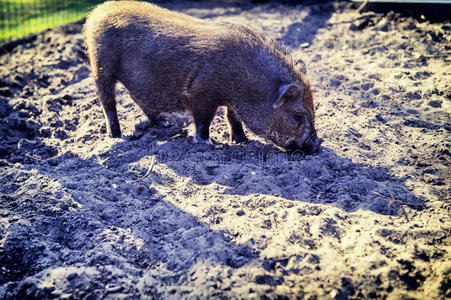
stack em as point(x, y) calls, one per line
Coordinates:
point(19, 18)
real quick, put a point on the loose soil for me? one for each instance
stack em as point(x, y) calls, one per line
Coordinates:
point(154, 215)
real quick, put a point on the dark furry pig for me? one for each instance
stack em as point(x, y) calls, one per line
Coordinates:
point(171, 62)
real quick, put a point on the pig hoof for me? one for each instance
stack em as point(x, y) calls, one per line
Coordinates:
point(239, 139)
point(115, 135)
point(163, 123)
point(198, 140)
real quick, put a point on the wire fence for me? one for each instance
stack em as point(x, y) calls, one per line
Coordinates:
point(19, 18)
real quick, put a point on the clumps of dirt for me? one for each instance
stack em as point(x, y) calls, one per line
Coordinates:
point(155, 215)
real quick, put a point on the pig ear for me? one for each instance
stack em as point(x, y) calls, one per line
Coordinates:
point(300, 66)
point(286, 93)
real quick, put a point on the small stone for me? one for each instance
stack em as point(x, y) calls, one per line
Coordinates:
point(383, 25)
point(71, 276)
point(113, 288)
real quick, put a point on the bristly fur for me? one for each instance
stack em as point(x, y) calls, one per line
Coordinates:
point(287, 57)
point(170, 62)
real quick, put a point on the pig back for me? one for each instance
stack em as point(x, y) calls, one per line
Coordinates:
point(154, 52)
point(166, 59)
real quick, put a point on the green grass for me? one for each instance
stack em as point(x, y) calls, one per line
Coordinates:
point(22, 17)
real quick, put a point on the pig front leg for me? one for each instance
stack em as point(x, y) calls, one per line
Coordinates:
point(237, 134)
point(202, 120)
point(107, 97)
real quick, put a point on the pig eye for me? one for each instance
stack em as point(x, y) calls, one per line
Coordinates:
point(299, 118)
point(296, 120)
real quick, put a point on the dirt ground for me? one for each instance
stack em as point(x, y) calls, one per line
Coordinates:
point(153, 215)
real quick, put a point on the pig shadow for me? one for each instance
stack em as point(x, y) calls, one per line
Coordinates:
point(256, 168)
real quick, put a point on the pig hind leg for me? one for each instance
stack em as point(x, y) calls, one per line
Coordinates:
point(107, 97)
point(237, 134)
point(105, 82)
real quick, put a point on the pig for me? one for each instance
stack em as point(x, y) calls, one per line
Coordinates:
point(171, 62)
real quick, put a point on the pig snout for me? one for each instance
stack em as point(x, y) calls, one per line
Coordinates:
point(308, 146)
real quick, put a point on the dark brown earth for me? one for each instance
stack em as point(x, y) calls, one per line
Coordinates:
point(154, 215)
